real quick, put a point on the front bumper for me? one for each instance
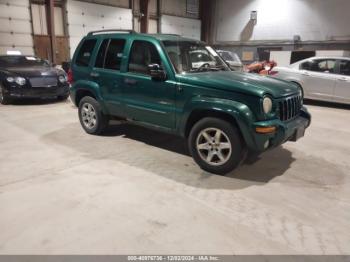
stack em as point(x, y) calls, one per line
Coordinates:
point(285, 131)
point(36, 92)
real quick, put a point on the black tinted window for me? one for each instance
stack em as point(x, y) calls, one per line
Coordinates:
point(345, 67)
point(100, 59)
point(85, 52)
point(21, 61)
point(114, 54)
point(143, 54)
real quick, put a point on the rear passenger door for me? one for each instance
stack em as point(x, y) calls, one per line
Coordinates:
point(147, 100)
point(342, 89)
point(318, 78)
point(83, 59)
point(106, 73)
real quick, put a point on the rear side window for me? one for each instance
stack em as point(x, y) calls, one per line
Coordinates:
point(85, 52)
point(114, 54)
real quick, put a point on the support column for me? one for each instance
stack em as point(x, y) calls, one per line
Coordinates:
point(144, 16)
point(205, 13)
point(50, 13)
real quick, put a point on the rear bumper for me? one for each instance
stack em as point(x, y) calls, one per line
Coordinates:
point(37, 92)
point(285, 131)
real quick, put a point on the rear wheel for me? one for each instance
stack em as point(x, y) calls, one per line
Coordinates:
point(216, 145)
point(4, 99)
point(91, 116)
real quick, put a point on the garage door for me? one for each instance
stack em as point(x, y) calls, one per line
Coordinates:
point(186, 27)
point(85, 17)
point(15, 27)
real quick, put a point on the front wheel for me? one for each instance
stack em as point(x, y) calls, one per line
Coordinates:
point(91, 116)
point(216, 145)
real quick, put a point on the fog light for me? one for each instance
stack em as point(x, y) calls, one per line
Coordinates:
point(266, 144)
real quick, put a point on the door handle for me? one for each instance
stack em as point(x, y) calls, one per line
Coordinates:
point(343, 79)
point(179, 88)
point(129, 81)
point(94, 74)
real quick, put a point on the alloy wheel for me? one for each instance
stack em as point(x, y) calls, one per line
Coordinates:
point(88, 115)
point(213, 146)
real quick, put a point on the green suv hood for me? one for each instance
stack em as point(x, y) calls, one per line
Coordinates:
point(246, 83)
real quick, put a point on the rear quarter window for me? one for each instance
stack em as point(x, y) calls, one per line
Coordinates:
point(85, 52)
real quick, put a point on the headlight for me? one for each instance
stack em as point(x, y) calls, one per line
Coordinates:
point(267, 105)
point(10, 79)
point(62, 79)
point(20, 81)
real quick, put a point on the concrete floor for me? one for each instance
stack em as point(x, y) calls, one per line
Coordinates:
point(136, 191)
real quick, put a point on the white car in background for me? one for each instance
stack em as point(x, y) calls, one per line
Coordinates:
point(321, 78)
point(232, 59)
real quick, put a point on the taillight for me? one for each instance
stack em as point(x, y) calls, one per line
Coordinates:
point(70, 76)
point(272, 73)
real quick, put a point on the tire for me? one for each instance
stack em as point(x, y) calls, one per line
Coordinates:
point(63, 98)
point(91, 117)
point(4, 99)
point(226, 152)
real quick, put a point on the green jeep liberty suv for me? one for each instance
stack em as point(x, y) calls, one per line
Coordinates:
point(181, 86)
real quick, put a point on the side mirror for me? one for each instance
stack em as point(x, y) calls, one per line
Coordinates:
point(156, 72)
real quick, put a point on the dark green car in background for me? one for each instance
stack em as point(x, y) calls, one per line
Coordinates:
point(153, 81)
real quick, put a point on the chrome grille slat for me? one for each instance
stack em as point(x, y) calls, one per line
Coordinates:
point(47, 81)
point(289, 107)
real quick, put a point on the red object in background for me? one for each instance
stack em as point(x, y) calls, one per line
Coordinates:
point(70, 76)
point(262, 68)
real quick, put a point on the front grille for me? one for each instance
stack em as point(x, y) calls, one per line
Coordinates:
point(45, 81)
point(289, 107)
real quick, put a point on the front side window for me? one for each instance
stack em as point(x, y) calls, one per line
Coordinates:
point(320, 65)
point(193, 56)
point(345, 67)
point(143, 54)
point(85, 53)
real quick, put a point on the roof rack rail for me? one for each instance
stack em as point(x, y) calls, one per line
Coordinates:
point(111, 31)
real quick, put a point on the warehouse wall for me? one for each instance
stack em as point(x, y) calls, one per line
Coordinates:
point(84, 17)
point(15, 27)
point(282, 19)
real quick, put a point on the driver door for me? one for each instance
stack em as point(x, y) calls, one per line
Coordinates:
point(146, 100)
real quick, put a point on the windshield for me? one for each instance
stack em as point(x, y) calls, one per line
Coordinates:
point(229, 56)
point(21, 61)
point(192, 56)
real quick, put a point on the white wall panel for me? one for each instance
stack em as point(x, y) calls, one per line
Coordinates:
point(39, 19)
point(282, 58)
point(282, 19)
point(59, 29)
point(85, 17)
point(15, 27)
point(186, 27)
point(152, 26)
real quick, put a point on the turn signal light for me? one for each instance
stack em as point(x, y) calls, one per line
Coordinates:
point(265, 130)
